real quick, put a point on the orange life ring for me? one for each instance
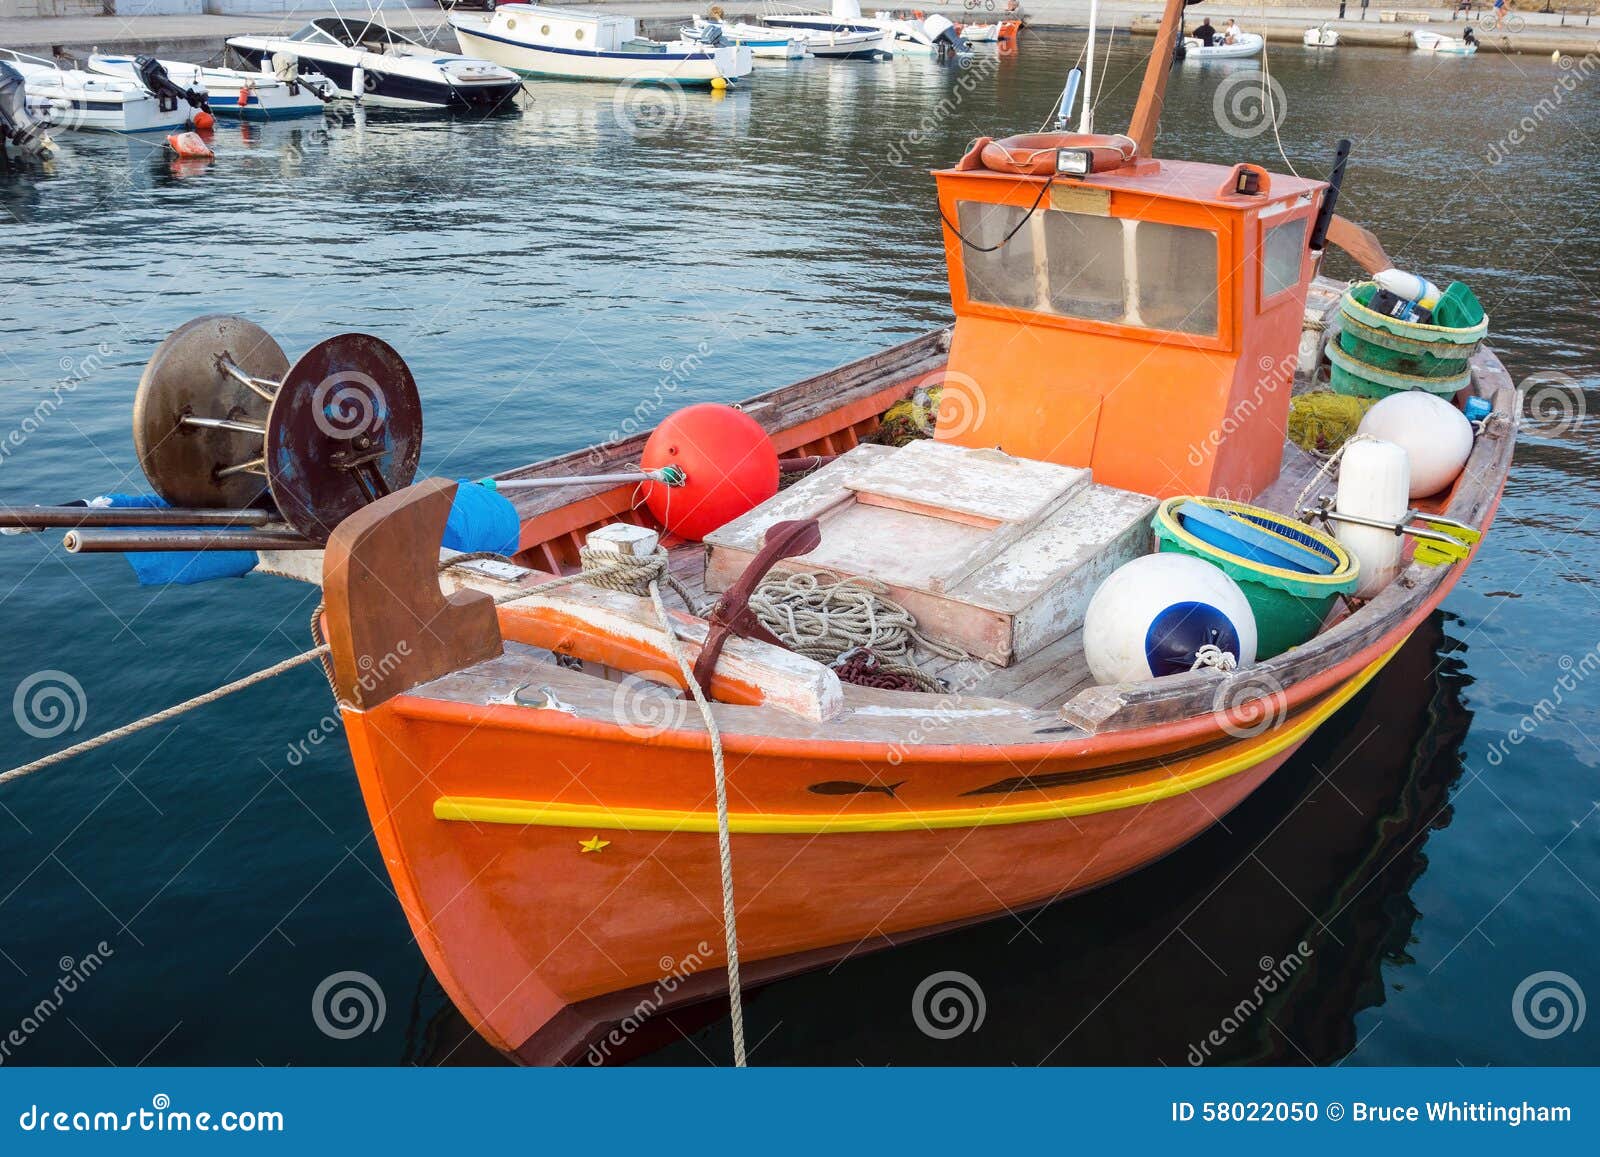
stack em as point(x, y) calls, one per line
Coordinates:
point(1034, 154)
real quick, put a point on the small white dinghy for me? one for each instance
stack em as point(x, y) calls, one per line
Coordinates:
point(233, 92)
point(69, 98)
point(1465, 45)
point(1321, 37)
point(1247, 44)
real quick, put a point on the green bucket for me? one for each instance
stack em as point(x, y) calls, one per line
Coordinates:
point(1357, 378)
point(1289, 605)
point(1440, 340)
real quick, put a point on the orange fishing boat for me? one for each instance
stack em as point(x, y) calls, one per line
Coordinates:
point(545, 796)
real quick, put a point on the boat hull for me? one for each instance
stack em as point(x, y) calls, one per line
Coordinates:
point(483, 822)
point(383, 85)
point(699, 69)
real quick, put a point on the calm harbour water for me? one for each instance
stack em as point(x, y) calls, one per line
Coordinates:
point(546, 270)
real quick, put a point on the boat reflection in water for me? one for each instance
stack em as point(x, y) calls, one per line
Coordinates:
point(1146, 970)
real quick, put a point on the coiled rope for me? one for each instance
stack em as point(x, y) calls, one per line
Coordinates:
point(833, 622)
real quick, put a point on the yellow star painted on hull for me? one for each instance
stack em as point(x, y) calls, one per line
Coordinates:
point(593, 844)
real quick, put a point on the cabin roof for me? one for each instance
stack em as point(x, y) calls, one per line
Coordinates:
point(1195, 181)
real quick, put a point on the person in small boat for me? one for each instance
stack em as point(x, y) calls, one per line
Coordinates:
point(1230, 33)
point(1206, 34)
point(1469, 37)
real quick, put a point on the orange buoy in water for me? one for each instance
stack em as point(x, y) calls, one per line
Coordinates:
point(729, 464)
point(189, 145)
point(203, 120)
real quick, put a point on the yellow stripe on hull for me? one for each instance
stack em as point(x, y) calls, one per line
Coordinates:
point(1241, 757)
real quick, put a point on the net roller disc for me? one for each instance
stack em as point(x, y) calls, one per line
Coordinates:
point(344, 430)
point(199, 375)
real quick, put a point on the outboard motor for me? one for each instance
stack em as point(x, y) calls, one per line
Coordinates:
point(943, 34)
point(711, 35)
point(153, 75)
point(17, 124)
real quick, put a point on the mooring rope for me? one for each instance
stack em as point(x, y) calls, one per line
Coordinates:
point(643, 575)
point(169, 713)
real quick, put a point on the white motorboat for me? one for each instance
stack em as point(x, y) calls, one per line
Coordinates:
point(763, 43)
point(368, 58)
point(19, 128)
point(233, 92)
point(874, 45)
point(905, 34)
point(1464, 45)
point(577, 45)
point(1320, 37)
point(69, 98)
point(1244, 44)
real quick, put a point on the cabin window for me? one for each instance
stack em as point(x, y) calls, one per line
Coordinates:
point(1086, 265)
point(1006, 275)
point(1146, 274)
point(1177, 277)
point(1281, 253)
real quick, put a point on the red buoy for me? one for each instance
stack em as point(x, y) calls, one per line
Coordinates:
point(729, 464)
point(203, 120)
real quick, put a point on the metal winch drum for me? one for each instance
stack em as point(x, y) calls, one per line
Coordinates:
point(223, 420)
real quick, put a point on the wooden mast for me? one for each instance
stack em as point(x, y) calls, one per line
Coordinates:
point(1359, 243)
point(1147, 112)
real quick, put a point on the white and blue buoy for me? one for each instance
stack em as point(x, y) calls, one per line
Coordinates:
point(1153, 615)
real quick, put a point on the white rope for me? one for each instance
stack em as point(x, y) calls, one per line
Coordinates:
point(827, 620)
point(162, 716)
point(1212, 656)
point(730, 924)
